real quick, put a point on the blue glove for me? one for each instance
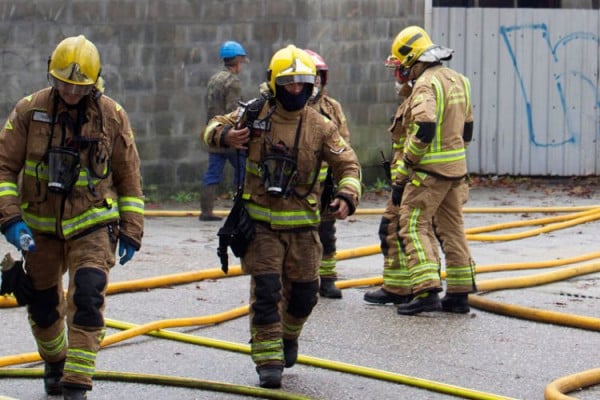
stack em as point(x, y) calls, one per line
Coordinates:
point(126, 251)
point(14, 232)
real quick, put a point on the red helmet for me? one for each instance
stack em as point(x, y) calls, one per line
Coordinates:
point(321, 65)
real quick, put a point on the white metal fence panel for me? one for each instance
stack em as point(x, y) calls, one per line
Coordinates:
point(535, 87)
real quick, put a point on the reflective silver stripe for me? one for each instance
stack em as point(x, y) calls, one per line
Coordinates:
point(282, 218)
point(8, 189)
point(131, 204)
point(90, 218)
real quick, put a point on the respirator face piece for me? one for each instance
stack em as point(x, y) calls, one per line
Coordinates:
point(63, 169)
point(279, 170)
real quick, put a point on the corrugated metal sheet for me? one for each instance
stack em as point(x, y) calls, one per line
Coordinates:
point(535, 87)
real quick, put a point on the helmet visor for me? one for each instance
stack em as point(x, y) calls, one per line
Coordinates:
point(69, 88)
point(287, 79)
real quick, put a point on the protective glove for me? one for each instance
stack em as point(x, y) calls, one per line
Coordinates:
point(14, 232)
point(397, 191)
point(126, 249)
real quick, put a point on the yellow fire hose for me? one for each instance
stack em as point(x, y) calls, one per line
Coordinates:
point(166, 381)
point(553, 390)
point(379, 211)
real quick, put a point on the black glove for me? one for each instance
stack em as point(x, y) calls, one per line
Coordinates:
point(16, 281)
point(397, 191)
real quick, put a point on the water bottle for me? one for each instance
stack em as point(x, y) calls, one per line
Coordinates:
point(26, 242)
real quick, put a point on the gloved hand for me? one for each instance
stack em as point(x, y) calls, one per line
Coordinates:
point(126, 249)
point(14, 231)
point(397, 191)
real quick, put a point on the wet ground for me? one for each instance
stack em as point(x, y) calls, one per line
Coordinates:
point(480, 353)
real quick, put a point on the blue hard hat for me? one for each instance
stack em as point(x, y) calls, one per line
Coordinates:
point(231, 49)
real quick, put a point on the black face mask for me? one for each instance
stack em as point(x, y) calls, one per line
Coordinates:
point(291, 102)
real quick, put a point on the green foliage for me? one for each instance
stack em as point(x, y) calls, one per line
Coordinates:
point(379, 185)
point(185, 197)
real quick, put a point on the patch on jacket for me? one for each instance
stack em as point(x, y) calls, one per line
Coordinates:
point(40, 116)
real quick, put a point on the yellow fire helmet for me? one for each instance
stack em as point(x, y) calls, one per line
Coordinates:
point(75, 61)
point(409, 44)
point(290, 65)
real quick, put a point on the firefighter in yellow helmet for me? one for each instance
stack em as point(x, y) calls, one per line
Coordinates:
point(79, 199)
point(321, 101)
point(433, 174)
point(286, 142)
point(397, 285)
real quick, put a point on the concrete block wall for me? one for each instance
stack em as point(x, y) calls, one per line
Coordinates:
point(158, 55)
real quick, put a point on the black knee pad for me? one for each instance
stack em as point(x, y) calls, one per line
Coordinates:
point(383, 229)
point(327, 236)
point(267, 293)
point(303, 298)
point(42, 308)
point(88, 297)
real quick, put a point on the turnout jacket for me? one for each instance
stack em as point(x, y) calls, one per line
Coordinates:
point(398, 132)
point(108, 188)
point(319, 140)
point(332, 109)
point(439, 123)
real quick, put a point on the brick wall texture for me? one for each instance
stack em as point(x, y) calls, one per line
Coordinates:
point(157, 56)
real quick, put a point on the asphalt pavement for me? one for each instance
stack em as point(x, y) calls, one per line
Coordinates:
point(350, 349)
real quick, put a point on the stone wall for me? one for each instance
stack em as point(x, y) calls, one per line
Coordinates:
point(158, 55)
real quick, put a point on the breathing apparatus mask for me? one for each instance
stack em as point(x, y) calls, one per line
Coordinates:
point(63, 169)
point(279, 170)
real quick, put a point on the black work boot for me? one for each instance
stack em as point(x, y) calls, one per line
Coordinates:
point(382, 296)
point(70, 393)
point(328, 288)
point(269, 376)
point(290, 352)
point(53, 372)
point(424, 302)
point(456, 303)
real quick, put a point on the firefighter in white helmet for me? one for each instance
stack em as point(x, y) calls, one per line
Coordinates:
point(80, 197)
point(286, 143)
point(433, 174)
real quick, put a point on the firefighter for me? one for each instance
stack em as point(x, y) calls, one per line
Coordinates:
point(396, 287)
point(439, 123)
point(286, 144)
point(79, 197)
point(332, 109)
point(223, 94)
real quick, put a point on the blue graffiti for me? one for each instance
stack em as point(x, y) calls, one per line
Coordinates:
point(591, 84)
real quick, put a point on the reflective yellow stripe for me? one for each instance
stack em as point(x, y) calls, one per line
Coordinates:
point(282, 218)
point(323, 174)
point(436, 144)
point(80, 361)
point(42, 224)
point(267, 350)
point(89, 218)
point(8, 189)
point(42, 173)
point(352, 182)
point(54, 346)
point(131, 204)
point(253, 168)
point(443, 157)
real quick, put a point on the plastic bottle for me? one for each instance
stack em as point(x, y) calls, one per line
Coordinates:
point(26, 242)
